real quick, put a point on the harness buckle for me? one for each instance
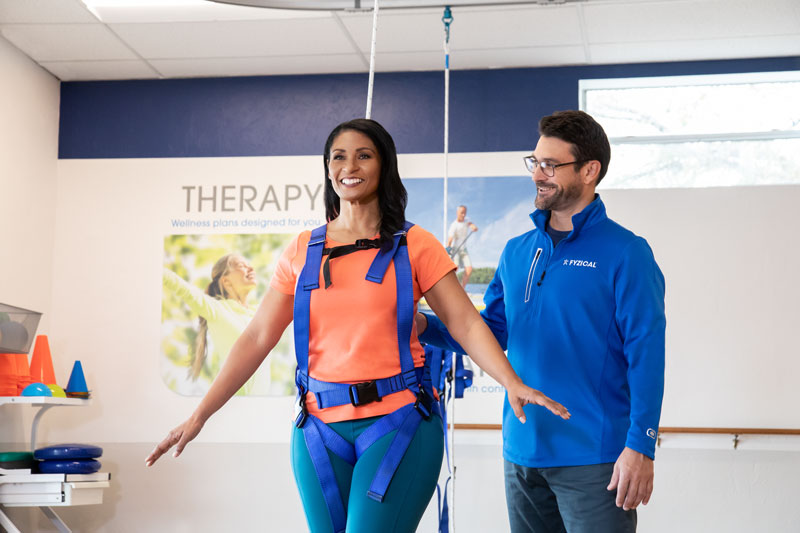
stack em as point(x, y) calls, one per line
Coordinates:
point(364, 393)
point(301, 411)
point(424, 404)
point(364, 244)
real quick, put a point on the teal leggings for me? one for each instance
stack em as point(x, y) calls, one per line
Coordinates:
point(409, 492)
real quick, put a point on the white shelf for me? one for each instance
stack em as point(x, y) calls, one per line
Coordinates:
point(42, 400)
point(20, 488)
point(53, 490)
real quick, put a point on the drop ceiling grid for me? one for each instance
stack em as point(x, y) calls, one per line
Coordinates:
point(66, 42)
point(44, 12)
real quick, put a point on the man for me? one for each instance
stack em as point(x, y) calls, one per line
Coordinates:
point(457, 235)
point(578, 302)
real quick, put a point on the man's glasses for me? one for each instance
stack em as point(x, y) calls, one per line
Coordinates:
point(548, 169)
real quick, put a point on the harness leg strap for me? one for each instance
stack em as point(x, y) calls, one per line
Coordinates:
point(391, 460)
point(327, 477)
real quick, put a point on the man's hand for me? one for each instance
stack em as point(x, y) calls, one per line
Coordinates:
point(633, 479)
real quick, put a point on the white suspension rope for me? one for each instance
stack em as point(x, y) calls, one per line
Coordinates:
point(447, 19)
point(372, 59)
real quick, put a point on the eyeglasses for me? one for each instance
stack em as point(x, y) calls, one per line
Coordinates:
point(548, 169)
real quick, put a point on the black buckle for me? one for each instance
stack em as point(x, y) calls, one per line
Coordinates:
point(364, 244)
point(364, 393)
point(424, 404)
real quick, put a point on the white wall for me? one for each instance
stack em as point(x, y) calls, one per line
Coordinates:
point(29, 106)
point(29, 100)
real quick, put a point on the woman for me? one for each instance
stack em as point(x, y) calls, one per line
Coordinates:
point(351, 331)
point(222, 309)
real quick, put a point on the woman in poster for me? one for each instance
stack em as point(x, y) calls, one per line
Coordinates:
point(361, 367)
point(223, 312)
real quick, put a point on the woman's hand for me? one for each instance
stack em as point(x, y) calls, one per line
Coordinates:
point(520, 395)
point(178, 437)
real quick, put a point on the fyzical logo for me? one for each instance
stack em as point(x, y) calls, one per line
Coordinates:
point(580, 263)
point(651, 433)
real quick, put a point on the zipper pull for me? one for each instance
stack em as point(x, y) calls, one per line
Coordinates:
point(539, 283)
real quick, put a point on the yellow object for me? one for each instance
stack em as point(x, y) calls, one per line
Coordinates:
point(57, 391)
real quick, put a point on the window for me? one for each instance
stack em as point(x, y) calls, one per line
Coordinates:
point(699, 131)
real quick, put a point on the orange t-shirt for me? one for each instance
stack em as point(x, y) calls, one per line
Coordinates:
point(353, 323)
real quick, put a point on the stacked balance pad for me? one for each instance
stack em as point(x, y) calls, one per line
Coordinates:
point(68, 459)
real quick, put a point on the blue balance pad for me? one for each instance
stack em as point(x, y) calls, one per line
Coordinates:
point(68, 451)
point(69, 466)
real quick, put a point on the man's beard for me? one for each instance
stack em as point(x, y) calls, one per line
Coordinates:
point(560, 198)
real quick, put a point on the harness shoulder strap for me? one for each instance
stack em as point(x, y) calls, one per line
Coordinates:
point(308, 281)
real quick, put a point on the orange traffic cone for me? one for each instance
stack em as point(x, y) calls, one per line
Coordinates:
point(8, 374)
point(41, 362)
point(23, 372)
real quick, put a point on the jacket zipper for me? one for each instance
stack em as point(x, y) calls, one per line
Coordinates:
point(529, 285)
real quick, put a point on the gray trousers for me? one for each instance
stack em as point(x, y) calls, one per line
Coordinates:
point(570, 499)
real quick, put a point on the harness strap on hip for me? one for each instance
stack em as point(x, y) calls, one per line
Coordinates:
point(330, 394)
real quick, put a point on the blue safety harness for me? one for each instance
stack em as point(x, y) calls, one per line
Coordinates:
point(319, 437)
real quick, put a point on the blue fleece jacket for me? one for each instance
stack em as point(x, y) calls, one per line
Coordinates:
point(584, 323)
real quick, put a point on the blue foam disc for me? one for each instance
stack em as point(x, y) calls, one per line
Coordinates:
point(68, 451)
point(69, 466)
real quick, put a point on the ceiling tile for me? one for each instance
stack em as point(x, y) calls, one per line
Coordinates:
point(258, 66)
point(206, 11)
point(44, 12)
point(66, 42)
point(471, 28)
point(100, 70)
point(694, 50)
point(678, 20)
point(185, 40)
point(481, 59)
point(540, 56)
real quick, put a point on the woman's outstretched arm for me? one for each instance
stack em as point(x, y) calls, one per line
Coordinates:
point(452, 305)
point(253, 345)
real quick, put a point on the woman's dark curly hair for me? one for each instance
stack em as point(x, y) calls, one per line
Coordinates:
point(392, 195)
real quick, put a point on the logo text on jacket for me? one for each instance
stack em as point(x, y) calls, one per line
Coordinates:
point(580, 263)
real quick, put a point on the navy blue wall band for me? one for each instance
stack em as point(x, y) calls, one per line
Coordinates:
point(490, 110)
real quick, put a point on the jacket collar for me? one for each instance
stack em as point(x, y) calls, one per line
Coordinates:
point(591, 215)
